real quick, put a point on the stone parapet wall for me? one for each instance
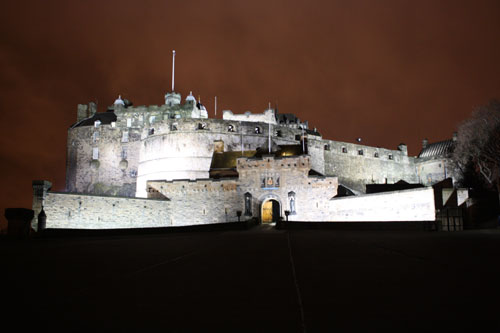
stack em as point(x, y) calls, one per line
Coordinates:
point(79, 211)
point(202, 201)
point(407, 205)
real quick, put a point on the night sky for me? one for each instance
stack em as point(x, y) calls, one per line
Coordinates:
point(388, 71)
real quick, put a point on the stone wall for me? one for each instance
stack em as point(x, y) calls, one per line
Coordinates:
point(267, 117)
point(201, 201)
point(166, 143)
point(357, 165)
point(261, 179)
point(102, 160)
point(310, 194)
point(79, 211)
point(433, 170)
point(183, 149)
point(407, 205)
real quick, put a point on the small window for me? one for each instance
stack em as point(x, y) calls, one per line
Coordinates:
point(125, 136)
point(248, 204)
point(297, 137)
point(327, 147)
point(95, 153)
point(202, 126)
point(376, 154)
point(360, 152)
point(129, 122)
point(151, 131)
point(95, 137)
point(279, 134)
point(257, 130)
point(230, 128)
point(390, 157)
point(152, 119)
point(113, 124)
point(124, 153)
point(344, 150)
point(97, 123)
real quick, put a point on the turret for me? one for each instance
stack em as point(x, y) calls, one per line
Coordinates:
point(172, 98)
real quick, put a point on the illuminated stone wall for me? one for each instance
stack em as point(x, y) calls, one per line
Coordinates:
point(114, 171)
point(77, 211)
point(167, 143)
point(200, 201)
point(280, 179)
point(431, 171)
point(266, 117)
point(357, 165)
point(407, 205)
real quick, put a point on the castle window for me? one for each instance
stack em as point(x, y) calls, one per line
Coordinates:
point(376, 154)
point(125, 136)
point(257, 130)
point(124, 153)
point(390, 157)
point(95, 137)
point(173, 127)
point(279, 134)
point(129, 122)
point(151, 131)
point(360, 152)
point(327, 147)
point(95, 153)
point(230, 128)
point(248, 204)
point(344, 150)
point(297, 137)
point(97, 123)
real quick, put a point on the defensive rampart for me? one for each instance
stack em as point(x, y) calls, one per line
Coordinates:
point(407, 205)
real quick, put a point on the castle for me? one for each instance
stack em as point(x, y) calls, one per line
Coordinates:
point(171, 165)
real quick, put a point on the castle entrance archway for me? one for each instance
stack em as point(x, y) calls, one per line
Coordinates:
point(270, 211)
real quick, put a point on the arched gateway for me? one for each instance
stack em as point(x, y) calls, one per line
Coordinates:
point(270, 210)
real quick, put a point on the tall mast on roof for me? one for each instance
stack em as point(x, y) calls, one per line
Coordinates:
point(173, 68)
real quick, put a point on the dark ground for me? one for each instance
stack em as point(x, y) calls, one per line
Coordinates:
point(257, 280)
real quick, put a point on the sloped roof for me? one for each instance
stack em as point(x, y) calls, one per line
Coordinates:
point(437, 149)
point(105, 118)
point(227, 160)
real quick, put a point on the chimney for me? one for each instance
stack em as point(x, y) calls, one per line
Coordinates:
point(425, 142)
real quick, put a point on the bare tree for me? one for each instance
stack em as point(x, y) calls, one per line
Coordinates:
point(477, 148)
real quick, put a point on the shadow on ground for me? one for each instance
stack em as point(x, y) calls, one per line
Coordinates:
point(256, 280)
